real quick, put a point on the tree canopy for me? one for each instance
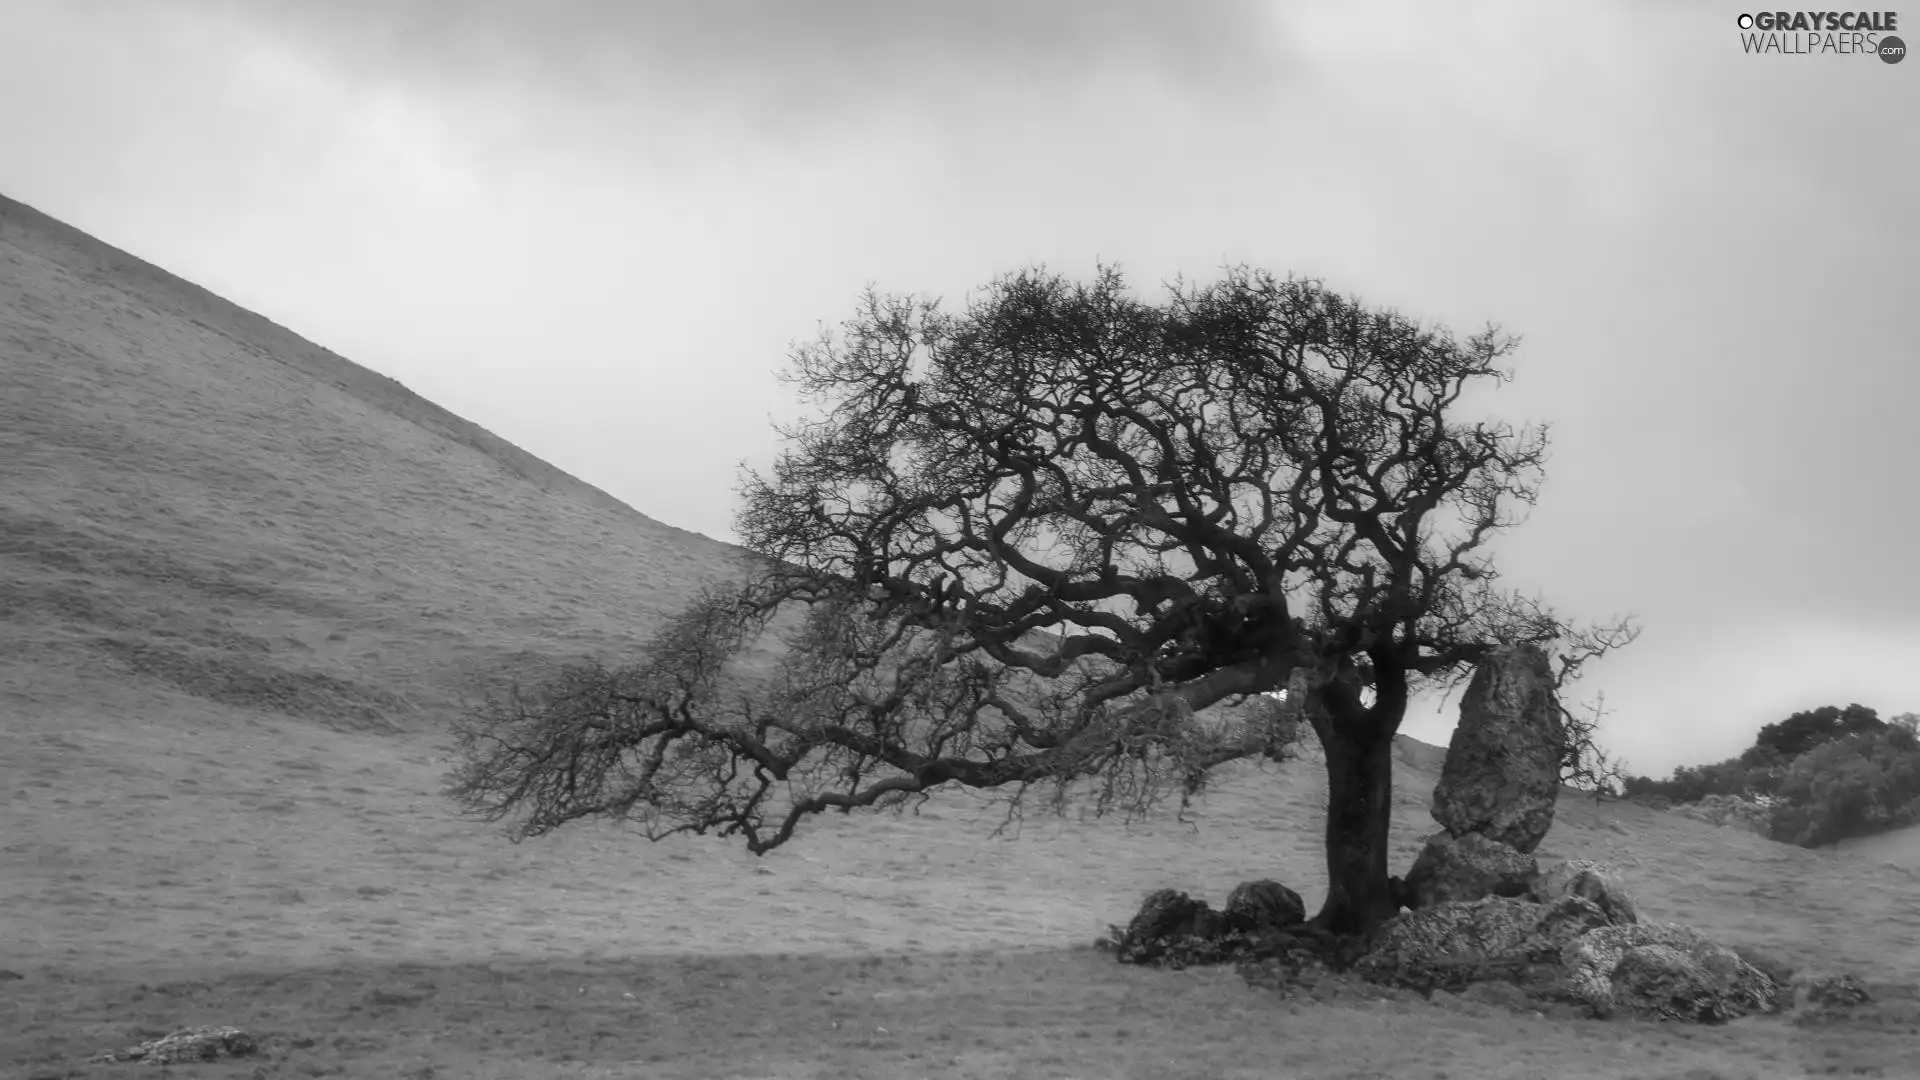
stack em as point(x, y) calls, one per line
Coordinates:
point(1029, 541)
point(1809, 728)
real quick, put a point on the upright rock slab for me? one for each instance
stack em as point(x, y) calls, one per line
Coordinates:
point(1502, 773)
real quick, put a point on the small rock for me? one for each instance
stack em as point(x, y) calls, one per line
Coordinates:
point(189, 1045)
point(1164, 916)
point(1256, 906)
point(1828, 991)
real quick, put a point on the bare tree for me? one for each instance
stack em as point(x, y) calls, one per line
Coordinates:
point(1587, 766)
point(1032, 543)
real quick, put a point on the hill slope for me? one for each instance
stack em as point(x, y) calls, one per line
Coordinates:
point(241, 579)
point(196, 496)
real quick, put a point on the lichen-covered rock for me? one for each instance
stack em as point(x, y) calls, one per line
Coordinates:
point(1592, 881)
point(1454, 944)
point(1502, 773)
point(189, 1045)
point(1165, 917)
point(1256, 906)
point(1664, 971)
point(1466, 868)
point(1827, 990)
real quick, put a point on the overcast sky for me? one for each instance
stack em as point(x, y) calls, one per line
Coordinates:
point(595, 228)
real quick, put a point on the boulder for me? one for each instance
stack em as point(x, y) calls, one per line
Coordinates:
point(1591, 881)
point(1451, 945)
point(1259, 906)
point(1663, 971)
point(1502, 773)
point(1466, 868)
point(1165, 918)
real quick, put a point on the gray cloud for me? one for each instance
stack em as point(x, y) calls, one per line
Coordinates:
point(778, 66)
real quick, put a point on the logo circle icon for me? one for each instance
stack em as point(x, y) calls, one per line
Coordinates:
point(1745, 22)
point(1892, 50)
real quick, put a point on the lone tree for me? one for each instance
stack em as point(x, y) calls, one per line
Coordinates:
point(1027, 543)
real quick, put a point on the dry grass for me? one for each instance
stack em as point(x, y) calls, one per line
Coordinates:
point(240, 584)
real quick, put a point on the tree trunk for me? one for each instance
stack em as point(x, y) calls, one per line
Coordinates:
point(1359, 813)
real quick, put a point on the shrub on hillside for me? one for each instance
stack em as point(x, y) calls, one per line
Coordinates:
point(1805, 730)
point(1853, 786)
point(1692, 783)
point(1761, 769)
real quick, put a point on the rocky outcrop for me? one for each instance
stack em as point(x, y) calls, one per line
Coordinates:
point(1663, 971)
point(1461, 869)
point(1452, 945)
point(1502, 773)
point(1731, 812)
point(1262, 919)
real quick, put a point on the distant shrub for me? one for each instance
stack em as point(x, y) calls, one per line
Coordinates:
point(1818, 776)
point(1692, 783)
point(1803, 731)
point(1853, 786)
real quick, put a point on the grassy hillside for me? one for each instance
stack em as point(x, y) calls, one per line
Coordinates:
point(193, 494)
point(242, 582)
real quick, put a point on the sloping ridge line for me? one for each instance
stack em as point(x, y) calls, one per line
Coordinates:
point(98, 261)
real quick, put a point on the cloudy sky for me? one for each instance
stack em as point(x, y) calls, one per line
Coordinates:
point(595, 227)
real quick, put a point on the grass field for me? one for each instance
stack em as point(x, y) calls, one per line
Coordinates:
point(244, 583)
